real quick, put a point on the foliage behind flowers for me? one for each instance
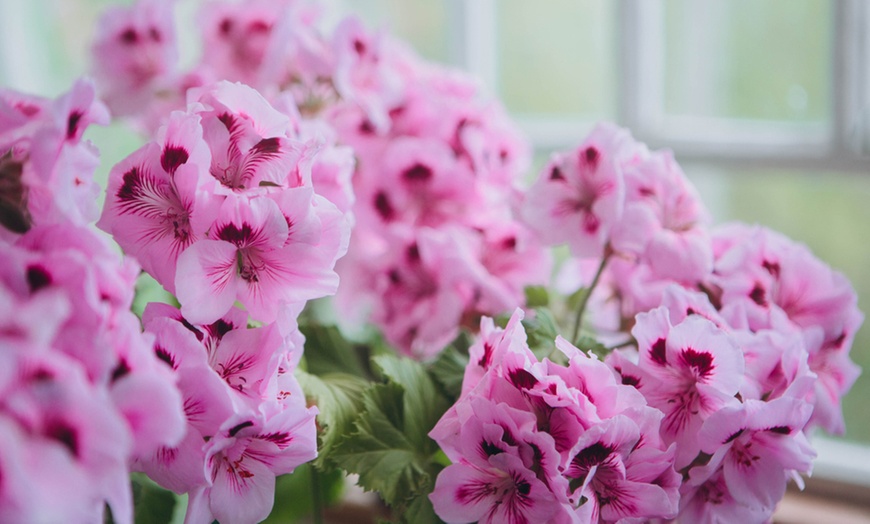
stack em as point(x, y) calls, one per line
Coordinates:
point(678, 377)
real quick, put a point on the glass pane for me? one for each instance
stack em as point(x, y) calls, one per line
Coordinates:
point(558, 57)
point(826, 211)
point(748, 59)
point(421, 23)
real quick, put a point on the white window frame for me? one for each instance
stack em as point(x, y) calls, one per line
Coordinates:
point(842, 145)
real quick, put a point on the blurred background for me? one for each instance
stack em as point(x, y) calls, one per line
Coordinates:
point(764, 103)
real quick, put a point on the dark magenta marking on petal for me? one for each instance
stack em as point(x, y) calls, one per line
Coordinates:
point(701, 361)
point(591, 456)
point(130, 186)
point(523, 487)
point(165, 356)
point(556, 174)
point(236, 235)
point(281, 438)
point(486, 358)
point(225, 26)
point(65, 434)
point(259, 26)
point(228, 120)
point(197, 333)
point(267, 146)
point(413, 253)
point(121, 370)
point(658, 353)
point(591, 223)
point(173, 157)
point(690, 312)
point(509, 243)
point(37, 278)
point(733, 436)
point(522, 379)
point(72, 124)
point(366, 127)
point(219, 328)
point(359, 46)
point(629, 380)
point(490, 449)
point(129, 36)
point(772, 268)
point(238, 427)
point(474, 491)
point(757, 295)
point(782, 430)
point(383, 206)
point(394, 276)
point(590, 157)
point(155, 35)
point(417, 173)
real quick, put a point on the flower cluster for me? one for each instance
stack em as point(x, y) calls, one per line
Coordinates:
point(537, 441)
point(437, 242)
point(83, 391)
point(742, 336)
point(220, 210)
point(436, 162)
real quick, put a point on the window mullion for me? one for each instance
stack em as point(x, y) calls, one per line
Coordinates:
point(849, 77)
point(640, 45)
point(474, 38)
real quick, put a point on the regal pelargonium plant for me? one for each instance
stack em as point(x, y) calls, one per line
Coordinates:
point(672, 370)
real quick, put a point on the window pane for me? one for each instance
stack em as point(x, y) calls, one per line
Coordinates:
point(748, 59)
point(558, 57)
point(421, 23)
point(826, 211)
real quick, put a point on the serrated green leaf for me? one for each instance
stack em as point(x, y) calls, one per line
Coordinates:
point(379, 452)
point(541, 331)
point(423, 403)
point(327, 351)
point(338, 397)
point(537, 296)
point(448, 370)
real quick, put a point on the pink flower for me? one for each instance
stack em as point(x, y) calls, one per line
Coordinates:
point(158, 201)
point(46, 167)
point(244, 458)
point(579, 196)
point(664, 219)
point(258, 254)
point(135, 54)
point(691, 370)
point(756, 445)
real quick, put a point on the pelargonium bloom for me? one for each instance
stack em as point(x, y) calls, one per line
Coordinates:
point(532, 439)
point(579, 196)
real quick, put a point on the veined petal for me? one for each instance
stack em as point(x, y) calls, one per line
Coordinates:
point(207, 280)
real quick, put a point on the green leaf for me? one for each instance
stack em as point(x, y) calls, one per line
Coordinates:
point(587, 344)
point(420, 511)
point(151, 503)
point(391, 450)
point(541, 330)
point(293, 495)
point(338, 397)
point(327, 351)
point(379, 452)
point(448, 370)
point(537, 296)
point(422, 402)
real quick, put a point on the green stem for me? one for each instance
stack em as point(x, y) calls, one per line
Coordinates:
point(316, 499)
point(578, 320)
